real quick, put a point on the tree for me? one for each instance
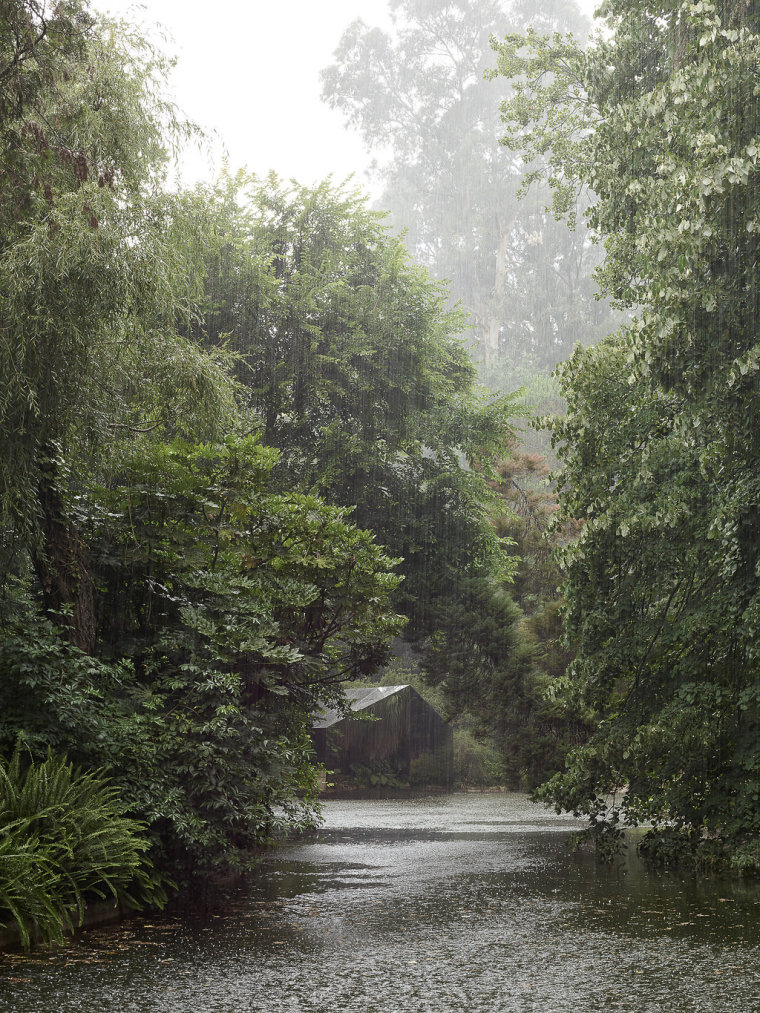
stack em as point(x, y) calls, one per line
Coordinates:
point(536, 724)
point(36, 43)
point(419, 98)
point(508, 669)
point(359, 377)
point(225, 608)
point(659, 446)
point(90, 278)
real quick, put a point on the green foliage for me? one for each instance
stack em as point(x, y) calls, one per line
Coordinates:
point(278, 586)
point(533, 724)
point(358, 374)
point(93, 282)
point(227, 611)
point(681, 846)
point(477, 762)
point(35, 44)
point(549, 111)
point(347, 348)
point(659, 444)
point(63, 839)
point(165, 614)
point(746, 858)
point(540, 393)
point(379, 774)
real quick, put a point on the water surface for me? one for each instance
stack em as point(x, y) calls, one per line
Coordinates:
point(467, 902)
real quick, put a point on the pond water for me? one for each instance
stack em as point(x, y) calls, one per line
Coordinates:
point(468, 902)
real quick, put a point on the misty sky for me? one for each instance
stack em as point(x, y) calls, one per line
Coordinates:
point(250, 72)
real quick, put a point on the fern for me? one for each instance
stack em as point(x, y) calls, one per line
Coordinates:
point(64, 838)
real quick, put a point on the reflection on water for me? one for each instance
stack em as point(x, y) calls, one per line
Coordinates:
point(453, 903)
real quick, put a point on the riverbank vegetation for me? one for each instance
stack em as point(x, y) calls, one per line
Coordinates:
point(245, 455)
point(242, 451)
point(659, 118)
point(646, 141)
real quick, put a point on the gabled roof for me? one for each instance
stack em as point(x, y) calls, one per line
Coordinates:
point(358, 699)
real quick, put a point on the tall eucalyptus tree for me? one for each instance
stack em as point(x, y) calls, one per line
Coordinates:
point(418, 96)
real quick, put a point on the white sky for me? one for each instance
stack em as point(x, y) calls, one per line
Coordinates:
point(250, 72)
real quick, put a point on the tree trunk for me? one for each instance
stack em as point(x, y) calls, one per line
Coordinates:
point(491, 320)
point(489, 329)
point(62, 567)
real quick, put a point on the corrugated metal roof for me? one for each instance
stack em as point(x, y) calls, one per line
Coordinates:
point(358, 699)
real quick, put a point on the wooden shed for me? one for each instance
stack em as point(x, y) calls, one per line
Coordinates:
point(390, 737)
